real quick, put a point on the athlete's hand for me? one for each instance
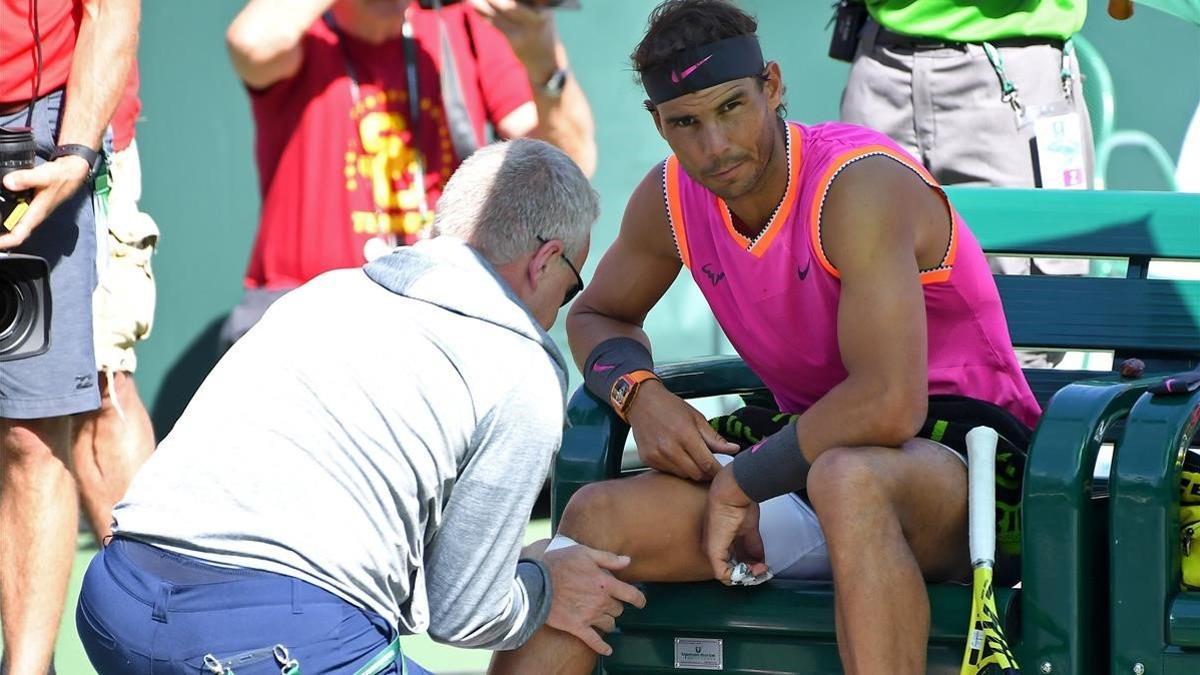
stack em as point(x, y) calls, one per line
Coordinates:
point(52, 183)
point(672, 436)
point(731, 529)
point(587, 598)
point(530, 32)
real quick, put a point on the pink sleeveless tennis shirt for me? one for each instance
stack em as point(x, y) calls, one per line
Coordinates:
point(776, 296)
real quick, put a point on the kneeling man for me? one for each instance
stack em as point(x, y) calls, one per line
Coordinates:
point(362, 464)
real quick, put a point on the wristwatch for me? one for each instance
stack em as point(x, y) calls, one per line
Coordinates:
point(87, 154)
point(557, 82)
point(625, 389)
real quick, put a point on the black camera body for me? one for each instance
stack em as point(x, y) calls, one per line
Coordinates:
point(24, 279)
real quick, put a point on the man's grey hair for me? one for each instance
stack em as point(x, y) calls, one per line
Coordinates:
point(506, 195)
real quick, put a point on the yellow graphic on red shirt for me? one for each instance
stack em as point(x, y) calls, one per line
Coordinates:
point(385, 162)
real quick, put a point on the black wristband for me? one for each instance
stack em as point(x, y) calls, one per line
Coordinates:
point(610, 360)
point(774, 467)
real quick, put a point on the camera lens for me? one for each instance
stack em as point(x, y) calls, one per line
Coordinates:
point(18, 314)
point(10, 307)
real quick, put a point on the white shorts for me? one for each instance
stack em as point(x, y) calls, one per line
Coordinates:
point(792, 536)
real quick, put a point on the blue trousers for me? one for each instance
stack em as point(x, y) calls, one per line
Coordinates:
point(144, 611)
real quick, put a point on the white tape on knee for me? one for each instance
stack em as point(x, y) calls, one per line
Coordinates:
point(559, 541)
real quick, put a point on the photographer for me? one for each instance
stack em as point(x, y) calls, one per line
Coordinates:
point(363, 108)
point(63, 64)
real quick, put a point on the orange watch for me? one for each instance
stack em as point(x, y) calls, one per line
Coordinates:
point(624, 390)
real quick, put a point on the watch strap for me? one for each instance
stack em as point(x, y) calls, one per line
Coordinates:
point(92, 157)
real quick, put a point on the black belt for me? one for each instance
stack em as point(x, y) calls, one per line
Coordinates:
point(887, 38)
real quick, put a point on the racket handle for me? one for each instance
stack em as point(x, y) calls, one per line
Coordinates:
point(981, 495)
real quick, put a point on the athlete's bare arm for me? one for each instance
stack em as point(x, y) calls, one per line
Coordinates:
point(632, 276)
point(882, 224)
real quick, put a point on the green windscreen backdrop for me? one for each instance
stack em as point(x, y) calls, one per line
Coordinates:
point(200, 184)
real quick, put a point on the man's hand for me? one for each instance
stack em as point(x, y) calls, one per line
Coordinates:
point(672, 436)
point(530, 32)
point(586, 597)
point(52, 183)
point(731, 529)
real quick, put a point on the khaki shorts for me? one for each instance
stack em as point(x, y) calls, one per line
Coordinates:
point(123, 304)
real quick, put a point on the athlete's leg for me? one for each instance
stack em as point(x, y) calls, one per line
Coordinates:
point(892, 519)
point(656, 520)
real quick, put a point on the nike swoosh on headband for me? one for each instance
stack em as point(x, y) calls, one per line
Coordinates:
point(677, 77)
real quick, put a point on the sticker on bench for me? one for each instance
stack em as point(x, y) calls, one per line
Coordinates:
point(699, 654)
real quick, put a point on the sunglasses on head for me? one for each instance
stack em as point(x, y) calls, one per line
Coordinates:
point(577, 286)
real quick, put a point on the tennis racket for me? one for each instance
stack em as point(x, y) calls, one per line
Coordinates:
point(987, 651)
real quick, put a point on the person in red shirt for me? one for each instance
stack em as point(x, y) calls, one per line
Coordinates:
point(363, 109)
point(63, 64)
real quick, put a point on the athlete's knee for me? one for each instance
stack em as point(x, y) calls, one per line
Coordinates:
point(842, 480)
point(594, 517)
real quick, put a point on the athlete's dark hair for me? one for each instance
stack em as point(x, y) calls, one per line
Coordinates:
point(678, 25)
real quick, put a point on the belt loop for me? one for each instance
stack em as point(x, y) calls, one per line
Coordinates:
point(297, 608)
point(162, 602)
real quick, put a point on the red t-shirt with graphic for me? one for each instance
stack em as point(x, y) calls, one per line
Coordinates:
point(57, 28)
point(335, 172)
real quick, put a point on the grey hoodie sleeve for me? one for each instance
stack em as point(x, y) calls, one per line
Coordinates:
point(478, 595)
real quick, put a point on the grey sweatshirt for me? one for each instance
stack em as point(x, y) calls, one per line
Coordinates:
point(382, 433)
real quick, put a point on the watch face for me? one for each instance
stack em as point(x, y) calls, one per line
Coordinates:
point(620, 392)
point(557, 81)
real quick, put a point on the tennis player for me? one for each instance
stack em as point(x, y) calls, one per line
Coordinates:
point(842, 274)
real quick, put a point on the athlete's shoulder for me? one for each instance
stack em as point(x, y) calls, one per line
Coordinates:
point(649, 197)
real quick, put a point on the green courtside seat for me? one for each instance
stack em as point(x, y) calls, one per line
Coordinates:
point(1155, 627)
point(1154, 624)
point(1057, 619)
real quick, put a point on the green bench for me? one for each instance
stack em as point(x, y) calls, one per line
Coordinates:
point(1058, 621)
point(1155, 627)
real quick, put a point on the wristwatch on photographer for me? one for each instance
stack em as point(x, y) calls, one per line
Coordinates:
point(82, 151)
point(554, 86)
point(625, 389)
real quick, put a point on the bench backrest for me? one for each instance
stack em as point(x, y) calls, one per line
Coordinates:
point(1156, 320)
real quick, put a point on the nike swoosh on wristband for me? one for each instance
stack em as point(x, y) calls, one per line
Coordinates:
point(602, 367)
point(676, 77)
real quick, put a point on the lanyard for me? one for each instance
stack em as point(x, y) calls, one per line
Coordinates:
point(414, 100)
point(1008, 90)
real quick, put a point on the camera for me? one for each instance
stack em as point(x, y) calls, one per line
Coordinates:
point(24, 279)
